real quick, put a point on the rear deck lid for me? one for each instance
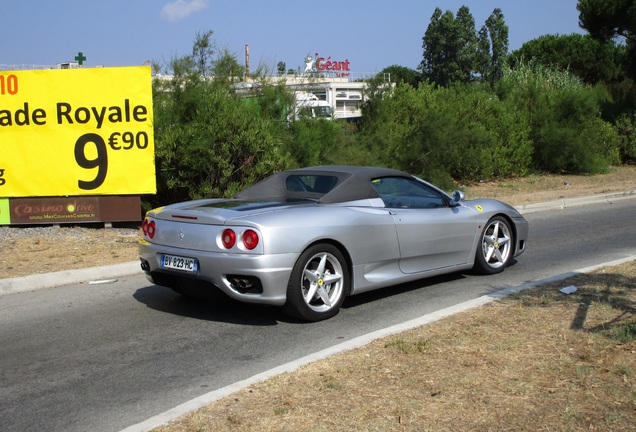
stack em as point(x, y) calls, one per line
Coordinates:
point(218, 211)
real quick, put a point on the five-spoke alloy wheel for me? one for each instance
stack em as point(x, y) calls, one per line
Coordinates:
point(318, 284)
point(496, 246)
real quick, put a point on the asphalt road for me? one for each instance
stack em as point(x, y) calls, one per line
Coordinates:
point(106, 356)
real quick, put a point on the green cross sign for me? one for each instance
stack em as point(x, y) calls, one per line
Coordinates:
point(80, 58)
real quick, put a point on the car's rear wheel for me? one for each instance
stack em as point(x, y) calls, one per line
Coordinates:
point(318, 284)
point(495, 247)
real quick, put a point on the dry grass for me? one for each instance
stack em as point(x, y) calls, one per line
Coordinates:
point(540, 188)
point(539, 360)
point(65, 248)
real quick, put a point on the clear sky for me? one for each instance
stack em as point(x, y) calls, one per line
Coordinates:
point(371, 34)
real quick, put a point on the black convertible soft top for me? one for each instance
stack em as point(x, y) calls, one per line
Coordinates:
point(354, 183)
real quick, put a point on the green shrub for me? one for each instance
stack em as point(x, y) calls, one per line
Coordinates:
point(626, 130)
point(567, 130)
point(210, 142)
point(463, 132)
point(319, 142)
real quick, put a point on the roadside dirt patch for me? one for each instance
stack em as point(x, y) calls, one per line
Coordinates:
point(34, 250)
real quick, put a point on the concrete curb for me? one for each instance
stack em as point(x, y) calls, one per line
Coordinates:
point(561, 204)
point(67, 277)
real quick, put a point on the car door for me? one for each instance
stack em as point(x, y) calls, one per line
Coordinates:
point(431, 234)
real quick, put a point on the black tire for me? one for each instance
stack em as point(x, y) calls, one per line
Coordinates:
point(495, 247)
point(315, 293)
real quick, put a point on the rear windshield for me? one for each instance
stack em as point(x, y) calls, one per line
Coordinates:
point(310, 183)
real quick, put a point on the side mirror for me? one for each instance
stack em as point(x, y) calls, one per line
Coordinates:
point(458, 196)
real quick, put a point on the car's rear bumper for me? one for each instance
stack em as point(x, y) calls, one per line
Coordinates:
point(266, 275)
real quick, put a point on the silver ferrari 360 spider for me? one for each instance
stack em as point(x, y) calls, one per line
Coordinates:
point(305, 239)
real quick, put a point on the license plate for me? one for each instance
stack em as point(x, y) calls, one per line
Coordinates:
point(179, 263)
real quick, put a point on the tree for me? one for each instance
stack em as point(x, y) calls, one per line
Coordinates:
point(498, 33)
point(202, 51)
point(608, 19)
point(588, 58)
point(483, 58)
point(400, 74)
point(280, 68)
point(465, 44)
point(227, 66)
point(434, 45)
point(455, 53)
point(612, 20)
point(449, 45)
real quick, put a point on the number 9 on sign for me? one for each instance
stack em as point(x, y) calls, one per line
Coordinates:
point(100, 161)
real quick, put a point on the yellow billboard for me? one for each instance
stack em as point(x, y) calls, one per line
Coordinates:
point(76, 132)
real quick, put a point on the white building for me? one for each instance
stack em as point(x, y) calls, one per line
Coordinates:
point(324, 82)
point(344, 94)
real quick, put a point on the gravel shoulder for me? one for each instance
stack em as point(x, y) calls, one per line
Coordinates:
point(43, 249)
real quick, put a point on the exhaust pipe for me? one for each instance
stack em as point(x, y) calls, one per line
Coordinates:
point(241, 283)
point(245, 284)
point(145, 265)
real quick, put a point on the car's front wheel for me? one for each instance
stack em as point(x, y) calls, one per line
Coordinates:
point(495, 248)
point(318, 284)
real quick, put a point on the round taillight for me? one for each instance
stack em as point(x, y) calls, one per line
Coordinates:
point(250, 239)
point(228, 238)
point(150, 229)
